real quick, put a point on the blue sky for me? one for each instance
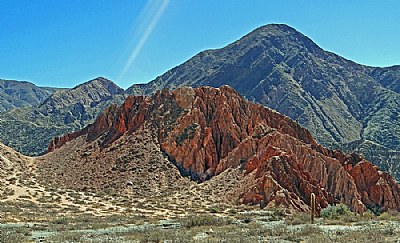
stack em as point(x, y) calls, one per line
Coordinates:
point(65, 42)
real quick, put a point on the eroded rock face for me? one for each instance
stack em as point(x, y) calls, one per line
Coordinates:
point(375, 186)
point(206, 131)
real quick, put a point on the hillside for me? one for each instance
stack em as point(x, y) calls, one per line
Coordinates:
point(16, 94)
point(11, 166)
point(342, 103)
point(29, 129)
point(244, 152)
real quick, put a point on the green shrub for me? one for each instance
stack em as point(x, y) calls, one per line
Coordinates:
point(204, 220)
point(214, 210)
point(335, 212)
point(232, 211)
point(375, 209)
point(61, 220)
point(278, 212)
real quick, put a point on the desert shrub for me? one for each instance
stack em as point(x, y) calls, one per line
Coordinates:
point(14, 235)
point(368, 215)
point(278, 212)
point(375, 209)
point(204, 220)
point(335, 212)
point(214, 210)
point(298, 218)
point(60, 220)
point(232, 211)
point(389, 215)
point(66, 237)
point(308, 233)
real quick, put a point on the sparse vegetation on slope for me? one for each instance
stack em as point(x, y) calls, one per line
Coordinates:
point(29, 129)
point(17, 94)
point(165, 207)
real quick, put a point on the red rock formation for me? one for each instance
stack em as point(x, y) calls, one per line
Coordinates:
point(376, 187)
point(205, 131)
point(59, 141)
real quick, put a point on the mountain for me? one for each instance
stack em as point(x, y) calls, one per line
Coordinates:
point(15, 94)
point(343, 104)
point(252, 154)
point(388, 77)
point(29, 129)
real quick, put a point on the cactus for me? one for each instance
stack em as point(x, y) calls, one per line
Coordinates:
point(312, 207)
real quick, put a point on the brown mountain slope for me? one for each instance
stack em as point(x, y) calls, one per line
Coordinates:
point(12, 164)
point(209, 133)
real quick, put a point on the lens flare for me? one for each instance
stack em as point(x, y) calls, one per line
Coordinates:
point(150, 15)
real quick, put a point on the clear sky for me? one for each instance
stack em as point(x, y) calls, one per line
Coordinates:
point(65, 42)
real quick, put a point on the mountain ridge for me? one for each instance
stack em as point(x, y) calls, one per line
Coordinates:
point(29, 129)
point(338, 100)
point(16, 94)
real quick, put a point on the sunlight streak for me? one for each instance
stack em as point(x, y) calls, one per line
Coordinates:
point(152, 12)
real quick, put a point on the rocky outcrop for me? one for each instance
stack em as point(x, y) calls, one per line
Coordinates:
point(375, 186)
point(57, 141)
point(343, 104)
point(206, 131)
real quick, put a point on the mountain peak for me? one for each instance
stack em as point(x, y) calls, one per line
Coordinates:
point(100, 81)
point(282, 37)
point(277, 29)
point(94, 90)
